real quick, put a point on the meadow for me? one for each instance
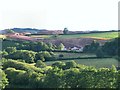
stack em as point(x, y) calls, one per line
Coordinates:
point(105, 35)
point(85, 59)
point(73, 55)
point(98, 63)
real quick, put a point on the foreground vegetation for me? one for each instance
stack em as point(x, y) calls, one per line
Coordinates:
point(59, 75)
point(24, 65)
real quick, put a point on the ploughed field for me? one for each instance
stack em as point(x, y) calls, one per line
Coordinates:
point(77, 39)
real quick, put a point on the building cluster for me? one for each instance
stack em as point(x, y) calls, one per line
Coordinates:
point(75, 48)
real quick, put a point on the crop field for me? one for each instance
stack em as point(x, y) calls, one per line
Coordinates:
point(41, 36)
point(105, 35)
point(98, 63)
point(2, 36)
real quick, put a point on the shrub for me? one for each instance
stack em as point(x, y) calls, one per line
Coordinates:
point(40, 64)
point(3, 79)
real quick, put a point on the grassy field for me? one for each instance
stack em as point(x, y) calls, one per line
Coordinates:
point(41, 36)
point(104, 62)
point(73, 55)
point(105, 35)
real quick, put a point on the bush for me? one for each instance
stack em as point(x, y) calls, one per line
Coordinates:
point(58, 64)
point(44, 56)
point(40, 64)
point(70, 64)
point(3, 80)
point(26, 55)
point(20, 66)
point(61, 55)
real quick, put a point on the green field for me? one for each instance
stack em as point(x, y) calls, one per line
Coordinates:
point(100, 62)
point(104, 62)
point(105, 35)
point(74, 55)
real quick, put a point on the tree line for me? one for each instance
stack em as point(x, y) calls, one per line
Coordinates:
point(29, 45)
point(110, 48)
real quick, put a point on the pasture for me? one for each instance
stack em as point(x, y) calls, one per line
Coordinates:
point(105, 36)
point(98, 63)
point(73, 55)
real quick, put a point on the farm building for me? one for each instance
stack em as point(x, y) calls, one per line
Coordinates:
point(75, 48)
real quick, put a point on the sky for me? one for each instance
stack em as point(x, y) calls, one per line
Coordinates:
point(76, 15)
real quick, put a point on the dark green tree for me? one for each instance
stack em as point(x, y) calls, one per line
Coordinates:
point(92, 48)
point(99, 53)
point(55, 75)
point(70, 64)
point(26, 55)
point(112, 47)
point(58, 64)
point(65, 31)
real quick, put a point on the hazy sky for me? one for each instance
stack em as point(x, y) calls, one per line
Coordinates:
point(57, 14)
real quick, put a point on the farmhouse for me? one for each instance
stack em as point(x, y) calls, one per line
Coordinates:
point(77, 48)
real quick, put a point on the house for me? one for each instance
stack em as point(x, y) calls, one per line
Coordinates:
point(65, 48)
point(77, 48)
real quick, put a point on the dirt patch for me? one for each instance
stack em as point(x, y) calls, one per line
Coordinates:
point(78, 42)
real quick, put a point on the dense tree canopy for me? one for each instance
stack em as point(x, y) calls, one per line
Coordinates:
point(92, 48)
point(21, 74)
point(26, 55)
point(112, 47)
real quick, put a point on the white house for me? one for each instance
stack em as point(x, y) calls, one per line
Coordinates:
point(77, 49)
point(65, 48)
